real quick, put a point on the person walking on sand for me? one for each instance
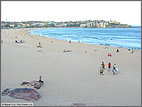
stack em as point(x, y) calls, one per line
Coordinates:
point(39, 43)
point(109, 66)
point(103, 65)
point(114, 69)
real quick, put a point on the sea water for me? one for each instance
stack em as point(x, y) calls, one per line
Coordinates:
point(113, 37)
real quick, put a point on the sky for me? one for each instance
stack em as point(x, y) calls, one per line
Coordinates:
point(125, 12)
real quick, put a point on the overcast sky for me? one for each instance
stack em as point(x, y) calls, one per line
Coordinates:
point(126, 12)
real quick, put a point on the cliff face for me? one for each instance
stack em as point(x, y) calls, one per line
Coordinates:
point(120, 26)
point(104, 24)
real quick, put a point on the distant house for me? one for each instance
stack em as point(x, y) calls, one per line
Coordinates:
point(11, 25)
point(83, 25)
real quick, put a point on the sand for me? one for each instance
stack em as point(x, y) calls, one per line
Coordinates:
point(70, 77)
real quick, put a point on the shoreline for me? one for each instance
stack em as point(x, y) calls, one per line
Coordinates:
point(80, 42)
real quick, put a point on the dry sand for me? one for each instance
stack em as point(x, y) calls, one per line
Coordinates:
point(70, 77)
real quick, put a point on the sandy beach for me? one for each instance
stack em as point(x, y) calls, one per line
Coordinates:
point(70, 77)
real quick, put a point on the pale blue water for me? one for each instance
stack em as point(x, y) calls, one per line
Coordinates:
point(114, 37)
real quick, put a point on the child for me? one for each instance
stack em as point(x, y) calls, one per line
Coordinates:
point(101, 71)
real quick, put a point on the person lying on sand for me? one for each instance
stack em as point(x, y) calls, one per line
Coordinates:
point(78, 104)
point(36, 84)
point(21, 41)
point(109, 54)
point(67, 50)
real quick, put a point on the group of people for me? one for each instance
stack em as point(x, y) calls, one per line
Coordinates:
point(114, 68)
point(71, 41)
point(131, 50)
point(109, 54)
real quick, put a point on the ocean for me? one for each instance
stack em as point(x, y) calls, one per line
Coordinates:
point(113, 37)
